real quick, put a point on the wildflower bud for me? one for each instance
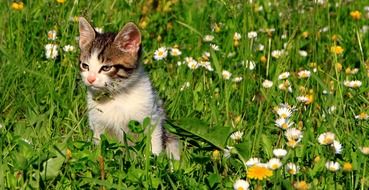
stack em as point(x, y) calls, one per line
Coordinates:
point(263, 59)
point(305, 34)
point(216, 155)
point(347, 167)
point(300, 125)
point(334, 37)
point(236, 43)
point(356, 15)
point(339, 67)
point(348, 70)
point(317, 159)
point(68, 154)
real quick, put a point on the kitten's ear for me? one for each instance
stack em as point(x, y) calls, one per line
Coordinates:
point(86, 33)
point(129, 39)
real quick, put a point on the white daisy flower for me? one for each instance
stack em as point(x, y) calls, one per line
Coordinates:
point(267, 84)
point(292, 168)
point(226, 74)
point(208, 38)
point(249, 64)
point(99, 30)
point(277, 53)
point(337, 146)
point(362, 116)
point(303, 99)
point(279, 152)
point(252, 161)
point(51, 35)
point(284, 75)
point(352, 84)
point(237, 136)
point(260, 47)
point(293, 134)
point(192, 63)
point(236, 36)
point(326, 138)
point(175, 52)
point(304, 74)
point(69, 48)
point(364, 150)
point(51, 51)
point(214, 47)
point(283, 123)
point(206, 55)
point(252, 35)
point(237, 79)
point(274, 163)
point(332, 166)
point(303, 53)
point(160, 53)
point(284, 112)
point(241, 184)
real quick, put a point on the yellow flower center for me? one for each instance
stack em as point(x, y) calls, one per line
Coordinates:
point(284, 125)
point(240, 188)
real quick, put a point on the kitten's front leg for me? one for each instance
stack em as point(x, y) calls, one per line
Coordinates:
point(97, 130)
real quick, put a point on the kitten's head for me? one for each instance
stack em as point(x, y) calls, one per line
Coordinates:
point(109, 62)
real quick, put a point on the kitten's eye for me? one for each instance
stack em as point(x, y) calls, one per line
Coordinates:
point(84, 66)
point(106, 68)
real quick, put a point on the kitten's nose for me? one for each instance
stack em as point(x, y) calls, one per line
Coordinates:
point(91, 78)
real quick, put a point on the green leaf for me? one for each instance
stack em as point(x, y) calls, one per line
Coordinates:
point(52, 167)
point(213, 179)
point(216, 136)
point(243, 150)
point(267, 145)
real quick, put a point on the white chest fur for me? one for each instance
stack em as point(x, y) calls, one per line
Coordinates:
point(114, 114)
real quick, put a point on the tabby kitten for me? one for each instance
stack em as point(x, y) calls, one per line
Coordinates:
point(118, 88)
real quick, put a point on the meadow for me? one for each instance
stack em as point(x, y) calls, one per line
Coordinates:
point(263, 94)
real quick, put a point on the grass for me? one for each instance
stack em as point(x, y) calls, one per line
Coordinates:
point(46, 143)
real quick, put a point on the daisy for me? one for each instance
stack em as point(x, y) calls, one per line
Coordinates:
point(226, 74)
point(214, 47)
point(267, 84)
point(206, 65)
point(332, 166)
point(51, 35)
point(237, 136)
point(284, 75)
point(301, 185)
point(208, 38)
point(236, 36)
point(259, 173)
point(362, 116)
point(237, 79)
point(283, 123)
point(284, 112)
point(364, 150)
point(160, 53)
point(352, 84)
point(326, 138)
point(252, 35)
point(192, 64)
point(252, 161)
point(303, 74)
point(241, 184)
point(293, 134)
point(99, 30)
point(175, 52)
point(274, 163)
point(249, 64)
point(303, 53)
point(51, 51)
point(205, 55)
point(308, 99)
point(69, 48)
point(337, 146)
point(260, 47)
point(277, 53)
point(292, 169)
point(279, 152)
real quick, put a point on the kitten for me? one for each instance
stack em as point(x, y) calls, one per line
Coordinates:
point(118, 88)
